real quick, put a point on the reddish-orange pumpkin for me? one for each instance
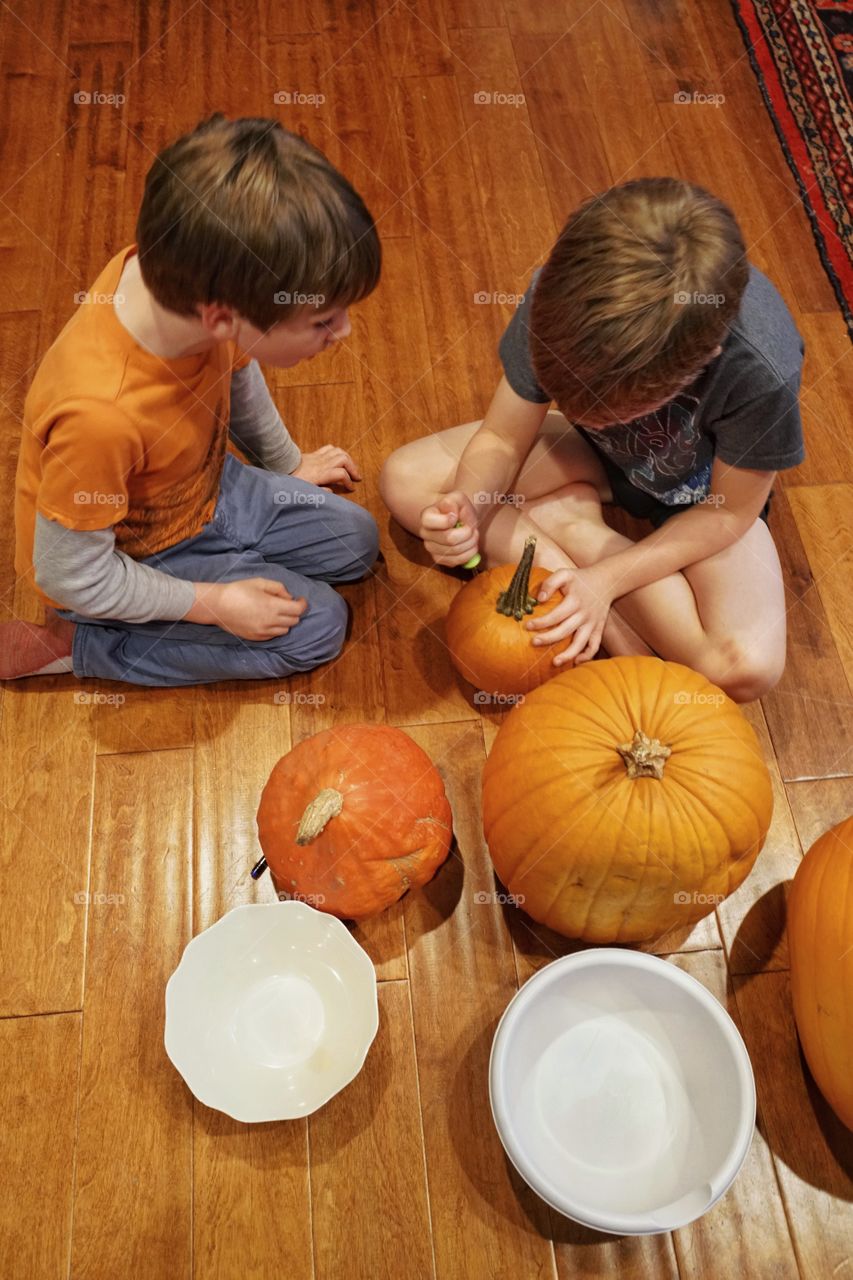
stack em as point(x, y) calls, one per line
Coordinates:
point(624, 798)
point(353, 817)
point(820, 945)
point(489, 645)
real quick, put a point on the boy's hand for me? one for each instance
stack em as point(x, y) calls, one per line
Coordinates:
point(583, 610)
point(328, 466)
point(253, 608)
point(445, 543)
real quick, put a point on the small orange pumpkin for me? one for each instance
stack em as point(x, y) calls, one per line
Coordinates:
point(352, 818)
point(624, 798)
point(489, 646)
point(820, 944)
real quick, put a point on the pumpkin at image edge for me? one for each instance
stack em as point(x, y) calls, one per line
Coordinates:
point(625, 798)
point(488, 643)
point(352, 818)
point(820, 946)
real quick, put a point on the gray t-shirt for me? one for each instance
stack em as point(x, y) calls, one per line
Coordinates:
point(744, 406)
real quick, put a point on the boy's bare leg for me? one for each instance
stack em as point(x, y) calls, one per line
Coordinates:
point(723, 616)
point(416, 472)
point(27, 649)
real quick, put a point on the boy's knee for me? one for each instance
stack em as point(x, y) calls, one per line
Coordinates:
point(317, 637)
point(753, 681)
point(744, 672)
point(327, 627)
point(361, 535)
point(395, 477)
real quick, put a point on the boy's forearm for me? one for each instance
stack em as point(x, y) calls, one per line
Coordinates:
point(488, 466)
point(495, 453)
point(693, 535)
point(255, 424)
point(82, 570)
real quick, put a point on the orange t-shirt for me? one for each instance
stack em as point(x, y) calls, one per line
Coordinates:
point(116, 437)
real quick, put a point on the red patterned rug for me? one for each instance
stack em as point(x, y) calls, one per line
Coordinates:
point(802, 53)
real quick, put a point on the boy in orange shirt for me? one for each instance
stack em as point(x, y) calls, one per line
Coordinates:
point(164, 560)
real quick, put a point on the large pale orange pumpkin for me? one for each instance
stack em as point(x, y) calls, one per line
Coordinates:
point(489, 645)
point(820, 945)
point(352, 818)
point(624, 798)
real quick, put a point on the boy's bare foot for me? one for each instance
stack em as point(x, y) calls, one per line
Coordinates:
point(27, 649)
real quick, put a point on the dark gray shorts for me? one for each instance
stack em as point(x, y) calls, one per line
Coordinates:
point(641, 504)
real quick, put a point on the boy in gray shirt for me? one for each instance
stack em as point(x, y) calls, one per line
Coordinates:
point(675, 369)
point(662, 461)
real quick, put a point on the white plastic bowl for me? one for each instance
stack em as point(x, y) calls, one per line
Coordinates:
point(622, 1091)
point(271, 1011)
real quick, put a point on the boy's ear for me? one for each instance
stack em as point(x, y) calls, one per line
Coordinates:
point(218, 319)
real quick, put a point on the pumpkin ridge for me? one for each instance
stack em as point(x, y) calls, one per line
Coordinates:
point(525, 867)
point(744, 737)
point(664, 702)
point(594, 901)
point(650, 849)
point(600, 813)
point(498, 814)
point(556, 741)
point(699, 796)
point(634, 703)
point(589, 798)
point(594, 897)
point(599, 798)
point(714, 839)
point(690, 816)
point(565, 737)
point(630, 907)
point(582, 695)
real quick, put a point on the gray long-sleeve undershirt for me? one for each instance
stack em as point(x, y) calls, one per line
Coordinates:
point(81, 568)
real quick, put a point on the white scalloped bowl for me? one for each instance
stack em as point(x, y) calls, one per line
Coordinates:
point(271, 1011)
point(622, 1091)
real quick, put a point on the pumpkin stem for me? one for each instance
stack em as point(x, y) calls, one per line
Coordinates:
point(325, 805)
point(516, 601)
point(644, 756)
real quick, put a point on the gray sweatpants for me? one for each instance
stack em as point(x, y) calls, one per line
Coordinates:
point(265, 526)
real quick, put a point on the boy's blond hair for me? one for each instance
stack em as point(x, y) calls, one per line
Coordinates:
point(641, 286)
point(245, 213)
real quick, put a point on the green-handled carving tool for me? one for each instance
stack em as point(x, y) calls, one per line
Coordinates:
point(474, 563)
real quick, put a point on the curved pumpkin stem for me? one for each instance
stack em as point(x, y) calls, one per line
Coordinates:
point(325, 805)
point(516, 601)
point(644, 756)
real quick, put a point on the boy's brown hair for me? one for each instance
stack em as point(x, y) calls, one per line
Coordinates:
point(643, 283)
point(245, 213)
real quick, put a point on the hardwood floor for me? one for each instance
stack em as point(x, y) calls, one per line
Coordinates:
point(110, 1168)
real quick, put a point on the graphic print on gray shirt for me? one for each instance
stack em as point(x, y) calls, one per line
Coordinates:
point(743, 407)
